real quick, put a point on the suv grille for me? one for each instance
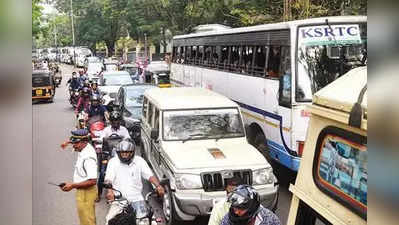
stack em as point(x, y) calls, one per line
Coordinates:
point(213, 181)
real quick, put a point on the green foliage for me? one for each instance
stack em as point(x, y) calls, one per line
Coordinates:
point(36, 14)
point(106, 21)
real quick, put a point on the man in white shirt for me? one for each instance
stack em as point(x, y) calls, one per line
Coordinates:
point(84, 177)
point(125, 173)
point(115, 128)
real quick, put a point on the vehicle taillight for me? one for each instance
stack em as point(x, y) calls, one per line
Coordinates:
point(300, 147)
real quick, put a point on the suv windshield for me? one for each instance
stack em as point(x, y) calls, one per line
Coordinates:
point(202, 124)
point(327, 52)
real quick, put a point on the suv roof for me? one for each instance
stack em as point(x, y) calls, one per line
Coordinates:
point(187, 98)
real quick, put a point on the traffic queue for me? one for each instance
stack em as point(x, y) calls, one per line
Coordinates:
point(192, 141)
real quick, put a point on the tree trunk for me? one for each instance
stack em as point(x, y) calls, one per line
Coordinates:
point(111, 47)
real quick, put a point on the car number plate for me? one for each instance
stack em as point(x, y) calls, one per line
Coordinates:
point(39, 92)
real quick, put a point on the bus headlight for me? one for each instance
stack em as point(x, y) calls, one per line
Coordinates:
point(263, 176)
point(188, 181)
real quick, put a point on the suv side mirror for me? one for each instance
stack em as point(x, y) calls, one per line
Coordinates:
point(154, 133)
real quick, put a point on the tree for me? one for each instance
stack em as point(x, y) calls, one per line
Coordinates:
point(36, 14)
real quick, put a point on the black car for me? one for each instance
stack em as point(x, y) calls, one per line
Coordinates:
point(130, 102)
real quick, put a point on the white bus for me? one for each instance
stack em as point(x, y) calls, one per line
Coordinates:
point(272, 71)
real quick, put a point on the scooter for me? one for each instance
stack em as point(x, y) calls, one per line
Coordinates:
point(96, 126)
point(73, 97)
point(81, 120)
point(128, 216)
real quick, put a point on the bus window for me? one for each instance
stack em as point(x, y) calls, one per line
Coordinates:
point(174, 54)
point(215, 55)
point(273, 67)
point(193, 54)
point(234, 58)
point(285, 78)
point(199, 55)
point(260, 60)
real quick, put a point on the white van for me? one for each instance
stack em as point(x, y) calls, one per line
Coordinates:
point(331, 185)
point(195, 139)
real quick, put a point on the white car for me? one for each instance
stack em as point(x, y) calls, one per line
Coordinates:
point(109, 85)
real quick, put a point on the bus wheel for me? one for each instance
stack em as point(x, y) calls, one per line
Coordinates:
point(260, 144)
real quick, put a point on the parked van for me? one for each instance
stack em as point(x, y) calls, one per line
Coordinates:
point(194, 139)
point(331, 185)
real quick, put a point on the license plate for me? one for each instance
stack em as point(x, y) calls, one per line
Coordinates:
point(39, 92)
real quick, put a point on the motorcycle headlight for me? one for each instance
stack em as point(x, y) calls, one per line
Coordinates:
point(76, 93)
point(263, 176)
point(188, 181)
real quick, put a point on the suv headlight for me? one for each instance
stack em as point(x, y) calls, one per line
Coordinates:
point(263, 176)
point(188, 181)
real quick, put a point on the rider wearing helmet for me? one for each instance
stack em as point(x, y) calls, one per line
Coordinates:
point(94, 87)
point(246, 209)
point(119, 174)
point(82, 77)
point(96, 108)
point(221, 208)
point(74, 81)
point(84, 100)
point(115, 119)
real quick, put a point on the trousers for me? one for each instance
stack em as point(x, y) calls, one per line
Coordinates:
point(85, 202)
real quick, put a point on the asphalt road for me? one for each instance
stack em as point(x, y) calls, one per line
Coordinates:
point(52, 123)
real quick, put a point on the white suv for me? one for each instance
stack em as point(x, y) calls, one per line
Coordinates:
point(194, 139)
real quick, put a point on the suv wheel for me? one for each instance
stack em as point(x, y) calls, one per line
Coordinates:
point(168, 209)
point(260, 144)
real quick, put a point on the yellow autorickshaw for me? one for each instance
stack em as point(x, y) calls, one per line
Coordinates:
point(43, 87)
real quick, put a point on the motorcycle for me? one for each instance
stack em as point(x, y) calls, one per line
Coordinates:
point(107, 152)
point(96, 126)
point(57, 80)
point(143, 216)
point(73, 97)
point(81, 120)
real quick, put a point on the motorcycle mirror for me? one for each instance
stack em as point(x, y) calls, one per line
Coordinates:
point(117, 195)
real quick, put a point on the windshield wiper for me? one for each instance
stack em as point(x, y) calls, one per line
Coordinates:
point(192, 136)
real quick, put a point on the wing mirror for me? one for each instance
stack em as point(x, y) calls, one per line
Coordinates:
point(154, 133)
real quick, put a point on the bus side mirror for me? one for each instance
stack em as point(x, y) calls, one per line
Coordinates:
point(154, 133)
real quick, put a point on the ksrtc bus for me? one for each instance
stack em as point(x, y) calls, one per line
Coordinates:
point(272, 71)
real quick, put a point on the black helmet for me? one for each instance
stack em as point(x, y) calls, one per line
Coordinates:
point(127, 146)
point(115, 116)
point(243, 197)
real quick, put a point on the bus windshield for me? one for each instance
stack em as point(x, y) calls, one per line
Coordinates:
point(325, 53)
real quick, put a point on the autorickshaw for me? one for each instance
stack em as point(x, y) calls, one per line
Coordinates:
point(331, 184)
point(43, 87)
